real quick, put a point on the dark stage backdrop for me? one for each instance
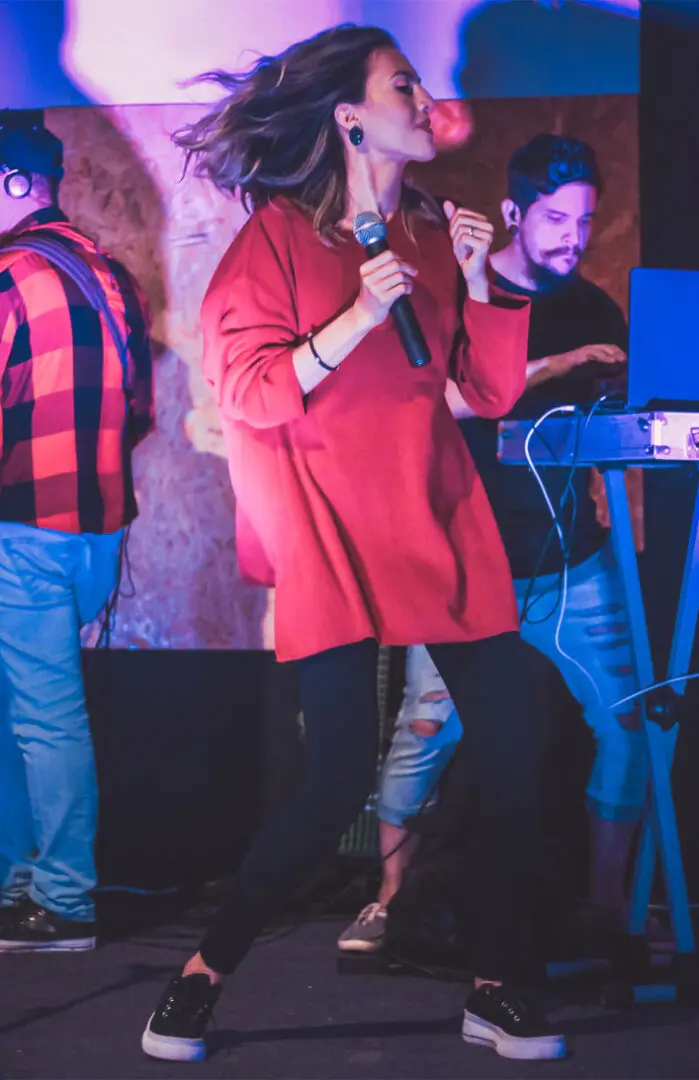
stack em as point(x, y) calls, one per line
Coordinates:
point(669, 181)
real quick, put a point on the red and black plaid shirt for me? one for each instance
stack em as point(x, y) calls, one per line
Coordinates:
point(65, 457)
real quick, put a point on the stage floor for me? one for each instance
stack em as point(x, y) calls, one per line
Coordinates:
point(288, 1014)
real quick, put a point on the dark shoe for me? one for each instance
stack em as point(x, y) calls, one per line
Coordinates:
point(367, 932)
point(28, 927)
point(494, 1016)
point(175, 1031)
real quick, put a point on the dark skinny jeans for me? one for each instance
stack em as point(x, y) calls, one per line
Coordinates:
point(497, 686)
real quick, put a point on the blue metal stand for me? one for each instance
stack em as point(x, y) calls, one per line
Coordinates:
point(659, 834)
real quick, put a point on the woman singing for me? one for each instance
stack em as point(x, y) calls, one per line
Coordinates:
point(356, 495)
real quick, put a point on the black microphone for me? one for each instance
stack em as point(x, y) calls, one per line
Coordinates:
point(370, 231)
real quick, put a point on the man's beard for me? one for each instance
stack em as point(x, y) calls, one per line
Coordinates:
point(547, 279)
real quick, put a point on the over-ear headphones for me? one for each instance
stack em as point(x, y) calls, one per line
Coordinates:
point(17, 184)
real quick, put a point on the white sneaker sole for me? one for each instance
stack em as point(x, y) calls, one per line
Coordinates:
point(68, 945)
point(168, 1048)
point(359, 945)
point(481, 1033)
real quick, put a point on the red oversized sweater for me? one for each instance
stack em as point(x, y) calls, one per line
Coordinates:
point(360, 502)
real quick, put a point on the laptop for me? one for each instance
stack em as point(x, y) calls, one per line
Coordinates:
point(663, 340)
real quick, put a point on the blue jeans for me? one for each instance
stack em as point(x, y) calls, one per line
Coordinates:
point(595, 632)
point(50, 584)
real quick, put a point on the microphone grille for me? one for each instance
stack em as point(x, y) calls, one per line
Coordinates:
point(369, 228)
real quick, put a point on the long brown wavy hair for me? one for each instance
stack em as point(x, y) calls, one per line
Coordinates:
point(274, 133)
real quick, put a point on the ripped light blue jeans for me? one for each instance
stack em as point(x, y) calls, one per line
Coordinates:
point(595, 632)
point(50, 584)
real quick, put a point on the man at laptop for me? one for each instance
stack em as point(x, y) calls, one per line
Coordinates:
point(577, 337)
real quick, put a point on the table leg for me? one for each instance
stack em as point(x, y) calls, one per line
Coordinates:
point(660, 826)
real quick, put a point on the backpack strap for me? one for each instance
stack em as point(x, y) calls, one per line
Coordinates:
point(65, 258)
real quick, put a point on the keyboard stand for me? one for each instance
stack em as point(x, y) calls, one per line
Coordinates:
point(659, 836)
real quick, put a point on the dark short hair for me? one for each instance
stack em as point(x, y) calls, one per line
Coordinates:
point(545, 164)
point(27, 145)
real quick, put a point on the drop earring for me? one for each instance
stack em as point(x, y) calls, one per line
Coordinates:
point(356, 135)
point(513, 230)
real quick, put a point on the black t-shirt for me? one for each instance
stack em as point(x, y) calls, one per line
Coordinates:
point(567, 316)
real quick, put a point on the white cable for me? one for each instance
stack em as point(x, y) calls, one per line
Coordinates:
point(558, 409)
point(655, 686)
point(564, 596)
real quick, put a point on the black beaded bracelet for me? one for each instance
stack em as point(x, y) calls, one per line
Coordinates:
point(316, 356)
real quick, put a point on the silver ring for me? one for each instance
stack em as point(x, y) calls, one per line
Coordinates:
point(469, 230)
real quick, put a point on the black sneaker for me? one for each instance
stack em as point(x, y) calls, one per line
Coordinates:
point(175, 1031)
point(28, 927)
point(494, 1016)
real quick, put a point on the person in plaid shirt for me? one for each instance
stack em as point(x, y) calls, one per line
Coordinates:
point(72, 410)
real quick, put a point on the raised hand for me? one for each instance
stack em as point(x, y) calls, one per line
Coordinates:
point(471, 237)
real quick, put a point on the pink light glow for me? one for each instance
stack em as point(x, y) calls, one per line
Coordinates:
point(140, 51)
point(136, 52)
point(452, 124)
